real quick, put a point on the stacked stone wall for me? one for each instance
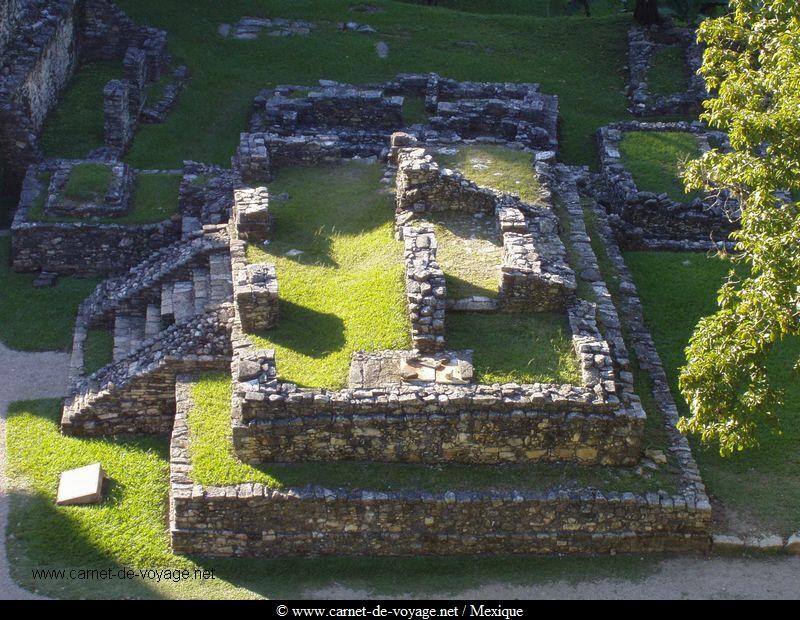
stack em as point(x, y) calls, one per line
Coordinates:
point(251, 519)
point(646, 220)
point(137, 395)
point(643, 44)
point(426, 292)
point(81, 248)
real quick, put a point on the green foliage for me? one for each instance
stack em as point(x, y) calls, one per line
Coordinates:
point(751, 63)
point(345, 292)
point(88, 182)
point(760, 486)
point(654, 159)
point(37, 319)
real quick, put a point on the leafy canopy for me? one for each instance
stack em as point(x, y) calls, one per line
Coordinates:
point(752, 63)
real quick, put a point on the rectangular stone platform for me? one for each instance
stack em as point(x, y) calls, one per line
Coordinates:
point(253, 520)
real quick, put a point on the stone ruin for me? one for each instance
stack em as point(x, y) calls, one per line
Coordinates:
point(645, 220)
point(643, 45)
point(42, 42)
point(182, 296)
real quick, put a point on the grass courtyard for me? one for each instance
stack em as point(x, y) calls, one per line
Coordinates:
point(655, 158)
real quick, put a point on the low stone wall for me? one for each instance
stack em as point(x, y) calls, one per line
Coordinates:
point(426, 292)
point(535, 273)
point(251, 215)
point(655, 221)
point(119, 120)
point(206, 193)
point(137, 395)
point(333, 105)
point(255, 290)
point(81, 248)
point(114, 202)
point(253, 520)
point(643, 44)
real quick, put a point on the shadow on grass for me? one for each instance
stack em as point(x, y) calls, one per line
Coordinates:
point(418, 576)
point(64, 549)
point(306, 331)
point(458, 288)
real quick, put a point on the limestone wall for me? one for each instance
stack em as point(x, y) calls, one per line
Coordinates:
point(655, 221)
point(81, 248)
point(10, 12)
point(249, 519)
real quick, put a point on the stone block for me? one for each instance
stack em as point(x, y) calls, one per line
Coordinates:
point(83, 485)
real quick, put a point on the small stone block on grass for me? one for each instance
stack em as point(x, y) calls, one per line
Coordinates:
point(83, 485)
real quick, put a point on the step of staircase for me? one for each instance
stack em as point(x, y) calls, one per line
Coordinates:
point(121, 336)
point(201, 282)
point(166, 300)
point(129, 335)
point(183, 301)
point(220, 276)
point(153, 322)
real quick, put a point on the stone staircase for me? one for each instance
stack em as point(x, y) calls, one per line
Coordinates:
point(168, 315)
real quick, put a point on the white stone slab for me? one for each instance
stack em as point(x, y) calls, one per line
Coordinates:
point(83, 485)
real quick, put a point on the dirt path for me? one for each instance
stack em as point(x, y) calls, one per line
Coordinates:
point(24, 376)
point(682, 578)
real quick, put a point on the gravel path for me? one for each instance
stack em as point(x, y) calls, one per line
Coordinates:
point(24, 376)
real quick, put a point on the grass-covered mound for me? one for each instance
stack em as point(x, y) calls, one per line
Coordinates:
point(88, 182)
point(215, 463)
point(37, 319)
point(654, 159)
point(129, 530)
point(761, 485)
point(519, 348)
point(576, 58)
point(345, 292)
point(98, 349)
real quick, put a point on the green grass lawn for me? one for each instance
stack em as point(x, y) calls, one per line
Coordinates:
point(37, 319)
point(760, 485)
point(345, 292)
point(558, 52)
point(414, 111)
point(128, 529)
point(155, 199)
point(521, 348)
point(496, 167)
point(668, 73)
point(654, 159)
point(470, 253)
point(539, 8)
point(88, 182)
point(75, 126)
point(98, 350)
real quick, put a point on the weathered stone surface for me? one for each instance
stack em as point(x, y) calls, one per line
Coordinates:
point(249, 519)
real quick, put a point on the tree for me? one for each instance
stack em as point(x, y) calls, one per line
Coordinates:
point(646, 12)
point(752, 63)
